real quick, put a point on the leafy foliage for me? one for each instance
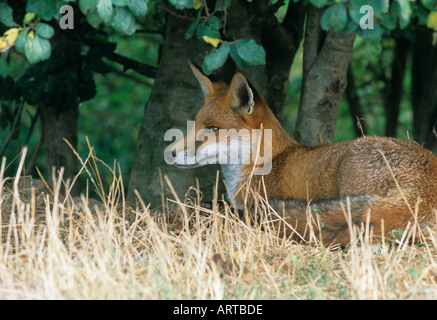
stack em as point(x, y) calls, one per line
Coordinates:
point(31, 27)
point(208, 28)
point(339, 15)
point(62, 63)
point(342, 15)
point(34, 32)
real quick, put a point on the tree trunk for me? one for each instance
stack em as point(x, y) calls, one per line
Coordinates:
point(256, 15)
point(58, 153)
point(395, 86)
point(281, 42)
point(326, 60)
point(424, 88)
point(355, 107)
point(176, 97)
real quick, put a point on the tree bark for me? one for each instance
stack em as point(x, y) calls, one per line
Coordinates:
point(176, 97)
point(255, 15)
point(424, 88)
point(395, 86)
point(355, 107)
point(58, 153)
point(281, 42)
point(326, 60)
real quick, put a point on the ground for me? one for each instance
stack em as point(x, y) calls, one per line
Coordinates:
point(55, 247)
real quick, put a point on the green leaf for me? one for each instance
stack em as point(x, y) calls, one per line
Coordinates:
point(138, 7)
point(431, 22)
point(429, 4)
point(46, 9)
point(334, 17)
point(44, 30)
point(319, 3)
point(105, 10)
point(378, 6)
point(87, 6)
point(215, 23)
point(216, 58)
point(206, 30)
point(354, 10)
point(388, 21)
point(123, 21)
point(21, 40)
point(120, 3)
point(94, 19)
point(190, 30)
point(6, 15)
point(237, 59)
point(182, 4)
point(247, 52)
point(372, 35)
point(403, 10)
point(28, 17)
point(422, 14)
point(37, 49)
point(351, 26)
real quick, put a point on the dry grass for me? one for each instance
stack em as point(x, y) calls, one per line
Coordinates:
point(64, 248)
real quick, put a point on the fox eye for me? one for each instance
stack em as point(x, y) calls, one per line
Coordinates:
point(213, 128)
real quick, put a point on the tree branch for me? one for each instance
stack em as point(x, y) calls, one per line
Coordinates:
point(324, 82)
point(314, 37)
point(131, 77)
point(176, 15)
point(137, 66)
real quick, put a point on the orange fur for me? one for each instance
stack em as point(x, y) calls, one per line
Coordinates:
point(387, 177)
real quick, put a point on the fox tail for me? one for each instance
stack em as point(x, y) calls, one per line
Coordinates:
point(332, 220)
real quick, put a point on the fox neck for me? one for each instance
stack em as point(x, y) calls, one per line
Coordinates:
point(236, 175)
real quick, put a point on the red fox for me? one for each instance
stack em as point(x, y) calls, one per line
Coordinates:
point(393, 180)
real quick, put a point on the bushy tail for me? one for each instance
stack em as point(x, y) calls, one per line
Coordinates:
point(331, 220)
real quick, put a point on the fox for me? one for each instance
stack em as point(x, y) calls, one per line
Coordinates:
point(382, 181)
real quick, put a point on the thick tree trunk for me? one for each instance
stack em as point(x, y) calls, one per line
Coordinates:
point(281, 42)
point(424, 88)
point(326, 60)
point(176, 97)
point(255, 15)
point(395, 86)
point(58, 153)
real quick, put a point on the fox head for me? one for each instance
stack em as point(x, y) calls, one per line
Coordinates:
point(229, 129)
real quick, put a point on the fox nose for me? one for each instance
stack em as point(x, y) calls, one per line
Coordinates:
point(173, 153)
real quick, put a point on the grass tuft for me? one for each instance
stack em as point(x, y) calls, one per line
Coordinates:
point(54, 246)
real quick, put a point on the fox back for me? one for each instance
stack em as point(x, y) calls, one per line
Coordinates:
point(393, 180)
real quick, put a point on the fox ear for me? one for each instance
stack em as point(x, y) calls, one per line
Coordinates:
point(204, 81)
point(242, 94)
